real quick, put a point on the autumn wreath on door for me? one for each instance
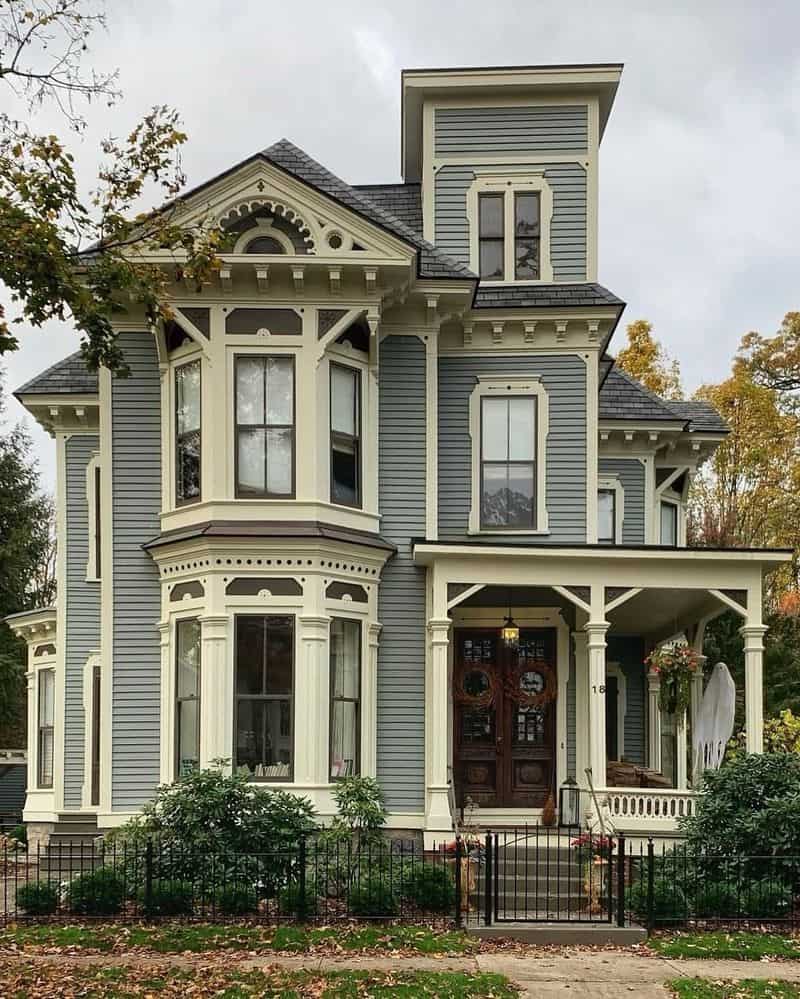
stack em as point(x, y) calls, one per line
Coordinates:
point(531, 684)
point(476, 686)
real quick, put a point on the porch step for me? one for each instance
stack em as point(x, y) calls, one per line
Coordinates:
point(566, 934)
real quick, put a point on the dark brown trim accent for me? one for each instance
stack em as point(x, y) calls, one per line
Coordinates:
point(251, 586)
point(194, 588)
point(337, 591)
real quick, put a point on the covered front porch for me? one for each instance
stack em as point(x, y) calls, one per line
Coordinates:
point(566, 706)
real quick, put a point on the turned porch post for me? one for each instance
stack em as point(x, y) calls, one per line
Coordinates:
point(596, 648)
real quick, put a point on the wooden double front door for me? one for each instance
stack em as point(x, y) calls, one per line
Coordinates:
point(504, 718)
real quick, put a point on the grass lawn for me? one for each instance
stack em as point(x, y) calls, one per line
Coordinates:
point(738, 945)
point(175, 938)
point(22, 981)
point(700, 988)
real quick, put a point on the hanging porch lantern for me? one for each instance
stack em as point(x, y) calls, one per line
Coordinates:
point(510, 629)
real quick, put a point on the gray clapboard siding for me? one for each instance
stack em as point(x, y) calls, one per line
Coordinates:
point(401, 658)
point(511, 130)
point(82, 631)
point(567, 228)
point(136, 467)
point(564, 380)
point(630, 472)
point(628, 651)
point(13, 782)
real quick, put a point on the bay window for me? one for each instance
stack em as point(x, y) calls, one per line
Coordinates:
point(45, 741)
point(187, 432)
point(265, 426)
point(187, 696)
point(345, 730)
point(508, 462)
point(264, 688)
point(345, 435)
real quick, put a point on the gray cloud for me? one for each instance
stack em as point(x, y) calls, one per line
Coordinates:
point(700, 180)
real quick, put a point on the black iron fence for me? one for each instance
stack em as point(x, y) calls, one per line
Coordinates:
point(530, 874)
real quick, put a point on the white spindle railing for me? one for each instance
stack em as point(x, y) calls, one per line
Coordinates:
point(646, 809)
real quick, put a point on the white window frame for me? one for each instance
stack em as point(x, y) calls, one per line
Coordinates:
point(91, 517)
point(505, 386)
point(509, 182)
point(672, 499)
point(613, 484)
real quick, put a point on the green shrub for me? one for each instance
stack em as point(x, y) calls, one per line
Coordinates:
point(168, 898)
point(37, 898)
point(766, 900)
point(372, 898)
point(20, 834)
point(716, 900)
point(290, 902)
point(431, 889)
point(236, 900)
point(669, 901)
point(97, 893)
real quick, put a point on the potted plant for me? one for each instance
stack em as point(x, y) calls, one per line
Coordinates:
point(675, 667)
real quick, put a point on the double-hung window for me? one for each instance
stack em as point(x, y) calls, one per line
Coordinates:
point(510, 215)
point(187, 432)
point(187, 696)
point(264, 696)
point(491, 236)
point(508, 462)
point(345, 435)
point(607, 516)
point(526, 235)
point(46, 720)
point(265, 422)
point(345, 658)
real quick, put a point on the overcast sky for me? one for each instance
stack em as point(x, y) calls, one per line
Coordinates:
point(699, 167)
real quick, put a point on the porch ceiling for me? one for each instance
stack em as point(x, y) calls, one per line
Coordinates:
point(660, 613)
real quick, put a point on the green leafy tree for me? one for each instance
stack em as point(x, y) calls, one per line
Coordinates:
point(64, 255)
point(26, 561)
point(646, 360)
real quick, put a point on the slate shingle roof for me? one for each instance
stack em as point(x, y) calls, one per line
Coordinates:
point(66, 377)
point(623, 398)
point(404, 201)
point(432, 262)
point(544, 296)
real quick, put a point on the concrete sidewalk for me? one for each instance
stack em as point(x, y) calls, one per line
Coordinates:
point(575, 973)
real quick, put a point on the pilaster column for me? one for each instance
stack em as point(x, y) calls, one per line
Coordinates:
point(596, 649)
point(167, 746)
point(753, 635)
point(438, 820)
point(216, 692)
point(579, 639)
point(653, 721)
point(369, 703)
point(311, 706)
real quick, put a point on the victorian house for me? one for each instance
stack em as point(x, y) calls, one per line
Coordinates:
point(377, 501)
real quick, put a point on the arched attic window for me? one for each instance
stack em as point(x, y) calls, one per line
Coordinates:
point(264, 244)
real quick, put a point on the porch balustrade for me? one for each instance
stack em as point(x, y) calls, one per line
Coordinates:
point(646, 809)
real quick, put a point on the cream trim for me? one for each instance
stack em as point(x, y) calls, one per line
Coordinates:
point(59, 693)
point(592, 406)
point(613, 483)
point(106, 589)
point(88, 685)
point(504, 386)
point(510, 181)
point(91, 501)
point(262, 229)
point(432, 436)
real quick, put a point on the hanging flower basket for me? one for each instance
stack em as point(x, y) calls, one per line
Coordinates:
point(675, 668)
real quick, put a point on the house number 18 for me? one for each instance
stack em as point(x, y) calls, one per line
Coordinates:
point(599, 690)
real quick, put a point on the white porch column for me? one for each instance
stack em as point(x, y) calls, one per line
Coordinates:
point(653, 721)
point(753, 635)
point(696, 696)
point(369, 703)
point(216, 700)
point(596, 648)
point(681, 752)
point(579, 639)
point(438, 820)
point(312, 682)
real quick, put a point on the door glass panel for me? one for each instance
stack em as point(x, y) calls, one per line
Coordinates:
point(477, 726)
point(530, 726)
